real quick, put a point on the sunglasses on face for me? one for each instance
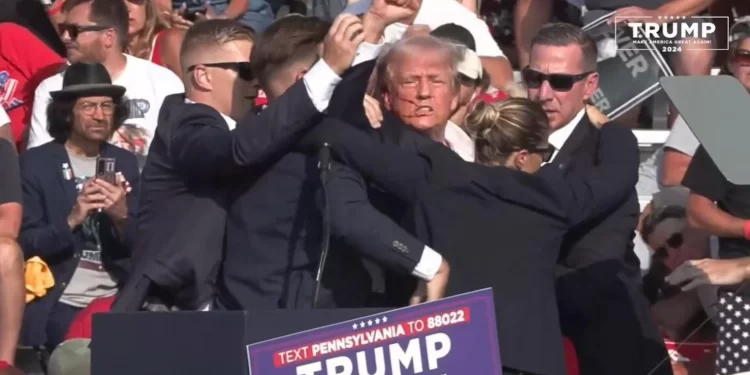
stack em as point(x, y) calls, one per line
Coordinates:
point(243, 69)
point(75, 30)
point(545, 152)
point(558, 81)
point(741, 58)
point(673, 242)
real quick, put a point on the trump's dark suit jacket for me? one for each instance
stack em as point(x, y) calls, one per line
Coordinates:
point(48, 199)
point(274, 232)
point(192, 160)
point(497, 227)
point(600, 294)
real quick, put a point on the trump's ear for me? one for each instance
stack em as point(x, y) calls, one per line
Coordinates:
point(387, 100)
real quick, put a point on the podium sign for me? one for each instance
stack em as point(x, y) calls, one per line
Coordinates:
point(628, 73)
point(454, 335)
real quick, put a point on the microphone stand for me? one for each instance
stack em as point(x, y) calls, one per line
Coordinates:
point(324, 165)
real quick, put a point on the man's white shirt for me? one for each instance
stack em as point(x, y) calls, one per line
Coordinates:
point(560, 136)
point(459, 141)
point(4, 119)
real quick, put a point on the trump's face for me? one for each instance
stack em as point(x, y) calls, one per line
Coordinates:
point(421, 90)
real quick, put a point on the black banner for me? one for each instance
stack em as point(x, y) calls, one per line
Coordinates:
point(628, 73)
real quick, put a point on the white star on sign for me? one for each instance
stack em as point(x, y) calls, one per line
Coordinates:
point(362, 325)
point(385, 319)
point(369, 323)
point(377, 320)
point(354, 326)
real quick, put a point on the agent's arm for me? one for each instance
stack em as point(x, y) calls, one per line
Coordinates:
point(199, 147)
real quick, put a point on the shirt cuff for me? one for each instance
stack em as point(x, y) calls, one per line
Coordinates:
point(428, 265)
point(320, 81)
point(367, 51)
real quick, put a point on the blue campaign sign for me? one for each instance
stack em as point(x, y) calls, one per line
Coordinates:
point(455, 335)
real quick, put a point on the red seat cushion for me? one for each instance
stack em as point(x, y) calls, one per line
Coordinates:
point(80, 328)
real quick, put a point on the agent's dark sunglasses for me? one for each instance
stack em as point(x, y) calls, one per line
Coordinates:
point(545, 152)
point(75, 30)
point(558, 81)
point(242, 68)
point(673, 242)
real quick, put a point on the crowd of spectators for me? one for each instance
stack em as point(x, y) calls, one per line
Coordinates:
point(184, 97)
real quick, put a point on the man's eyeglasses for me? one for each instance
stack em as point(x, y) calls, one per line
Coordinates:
point(89, 108)
point(75, 30)
point(741, 58)
point(673, 242)
point(558, 81)
point(242, 68)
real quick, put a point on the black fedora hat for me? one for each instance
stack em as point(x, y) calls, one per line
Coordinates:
point(87, 79)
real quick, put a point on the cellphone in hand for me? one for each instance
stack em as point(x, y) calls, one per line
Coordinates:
point(192, 15)
point(105, 170)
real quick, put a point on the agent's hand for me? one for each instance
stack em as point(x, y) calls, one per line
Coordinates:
point(87, 201)
point(373, 111)
point(341, 43)
point(710, 272)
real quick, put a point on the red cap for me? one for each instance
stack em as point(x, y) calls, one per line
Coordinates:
point(491, 98)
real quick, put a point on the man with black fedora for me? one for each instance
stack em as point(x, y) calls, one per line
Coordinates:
point(76, 219)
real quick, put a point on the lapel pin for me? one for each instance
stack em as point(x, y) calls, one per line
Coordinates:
point(67, 172)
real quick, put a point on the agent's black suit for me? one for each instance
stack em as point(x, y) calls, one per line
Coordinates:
point(182, 212)
point(273, 239)
point(497, 227)
point(600, 296)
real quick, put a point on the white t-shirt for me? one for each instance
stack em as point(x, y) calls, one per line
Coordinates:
point(436, 13)
point(4, 119)
point(146, 84)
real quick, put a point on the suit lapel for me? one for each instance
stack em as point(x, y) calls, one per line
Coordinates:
point(64, 171)
point(573, 143)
